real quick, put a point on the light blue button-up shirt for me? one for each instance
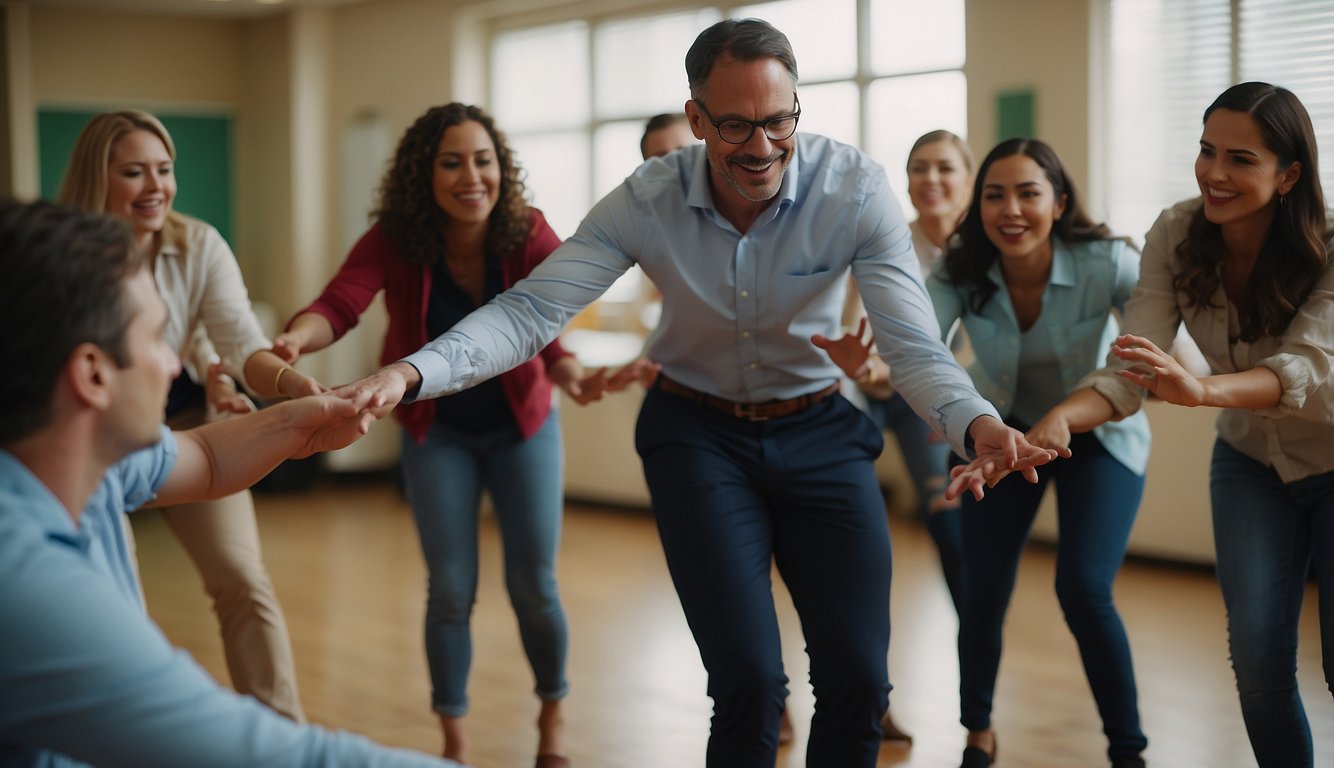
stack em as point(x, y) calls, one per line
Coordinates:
point(738, 309)
point(1088, 280)
point(85, 676)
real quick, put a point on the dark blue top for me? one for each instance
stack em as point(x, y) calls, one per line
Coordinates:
point(483, 408)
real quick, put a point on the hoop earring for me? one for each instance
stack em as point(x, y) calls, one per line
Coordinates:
point(1282, 200)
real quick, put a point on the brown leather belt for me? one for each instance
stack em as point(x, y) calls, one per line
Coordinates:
point(748, 411)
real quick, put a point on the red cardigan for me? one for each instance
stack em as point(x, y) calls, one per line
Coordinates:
point(374, 264)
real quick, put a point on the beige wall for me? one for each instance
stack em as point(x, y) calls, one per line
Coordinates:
point(93, 58)
point(264, 168)
point(1042, 45)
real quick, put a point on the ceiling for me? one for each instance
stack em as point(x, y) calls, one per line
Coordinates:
point(236, 9)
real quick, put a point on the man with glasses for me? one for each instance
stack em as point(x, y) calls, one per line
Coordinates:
point(750, 453)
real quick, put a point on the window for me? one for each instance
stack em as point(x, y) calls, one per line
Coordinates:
point(1168, 60)
point(573, 95)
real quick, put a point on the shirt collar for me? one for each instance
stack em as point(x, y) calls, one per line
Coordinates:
point(1062, 266)
point(1062, 263)
point(27, 495)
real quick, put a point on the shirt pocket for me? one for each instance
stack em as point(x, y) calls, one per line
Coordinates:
point(799, 289)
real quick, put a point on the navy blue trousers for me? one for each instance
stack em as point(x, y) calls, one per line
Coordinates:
point(731, 497)
point(1097, 499)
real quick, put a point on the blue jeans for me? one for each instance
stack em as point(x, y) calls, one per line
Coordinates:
point(1097, 500)
point(444, 478)
point(730, 497)
point(928, 464)
point(1267, 534)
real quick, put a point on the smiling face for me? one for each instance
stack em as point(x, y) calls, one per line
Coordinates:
point(745, 175)
point(141, 182)
point(1239, 177)
point(466, 175)
point(1019, 208)
point(938, 180)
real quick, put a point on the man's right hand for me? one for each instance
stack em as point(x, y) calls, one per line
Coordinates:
point(380, 392)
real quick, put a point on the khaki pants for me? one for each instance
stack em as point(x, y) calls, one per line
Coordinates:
point(222, 539)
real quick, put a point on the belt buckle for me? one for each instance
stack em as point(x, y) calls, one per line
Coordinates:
point(748, 412)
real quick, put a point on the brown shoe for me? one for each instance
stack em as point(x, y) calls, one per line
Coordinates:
point(890, 730)
point(552, 761)
point(785, 732)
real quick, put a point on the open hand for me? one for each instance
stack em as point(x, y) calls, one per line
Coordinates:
point(328, 422)
point(220, 391)
point(1158, 372)
point(999, 450)
point(380, 392)
point(851, 353)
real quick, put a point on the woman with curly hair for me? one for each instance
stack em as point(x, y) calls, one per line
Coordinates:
point(1246, 266)
point(453, 231)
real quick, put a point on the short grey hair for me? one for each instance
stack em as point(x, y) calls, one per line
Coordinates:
point(742, 39)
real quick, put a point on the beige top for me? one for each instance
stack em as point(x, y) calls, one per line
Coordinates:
point(927, 252)
point(204, 287)
point(1296, 438)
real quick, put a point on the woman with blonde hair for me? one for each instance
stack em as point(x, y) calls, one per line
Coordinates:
point(123, 165)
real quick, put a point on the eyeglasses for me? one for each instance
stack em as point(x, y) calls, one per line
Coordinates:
point(734, 130)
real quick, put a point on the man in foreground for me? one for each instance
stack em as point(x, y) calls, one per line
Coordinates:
point(85, 677)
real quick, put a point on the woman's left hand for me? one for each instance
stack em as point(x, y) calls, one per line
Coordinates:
point(1165, 377)
point(850, 353)
point(582, 387)
point(220, 392)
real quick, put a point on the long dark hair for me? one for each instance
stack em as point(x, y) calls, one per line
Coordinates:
point(1293, 252)
point(407, 208)
point(971, 253)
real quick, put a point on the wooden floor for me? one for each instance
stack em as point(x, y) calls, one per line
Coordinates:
point(348, 570)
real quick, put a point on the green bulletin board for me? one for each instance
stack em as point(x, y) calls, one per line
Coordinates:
point(203, 159)
point(1014, 115)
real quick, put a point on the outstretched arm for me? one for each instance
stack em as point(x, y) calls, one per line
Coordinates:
point(1161, 374)
point(227, 456)
point(1080, 412)
point(308, 332)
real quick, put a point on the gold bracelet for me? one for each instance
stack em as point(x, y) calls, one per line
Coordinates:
point(276, 379)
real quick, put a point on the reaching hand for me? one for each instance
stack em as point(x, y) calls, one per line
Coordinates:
point(220, 392)
point(288, 346)
point(382, 390)
point(1000, 450)
point(1166, 378)
point(1053, 432)
point(850, 353)
point(327, 422)
point(298, 384)
point(587, 389)
point(642, 370)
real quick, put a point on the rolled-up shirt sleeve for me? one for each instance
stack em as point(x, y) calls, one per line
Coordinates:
point(1302, 362)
